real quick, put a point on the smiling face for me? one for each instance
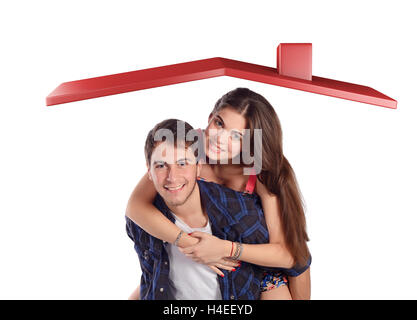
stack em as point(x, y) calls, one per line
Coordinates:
point(224, 134)
point(173, 170)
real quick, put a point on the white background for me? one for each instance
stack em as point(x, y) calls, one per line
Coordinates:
point(67, 171)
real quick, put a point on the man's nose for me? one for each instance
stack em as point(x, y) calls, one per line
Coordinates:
point(172, 174)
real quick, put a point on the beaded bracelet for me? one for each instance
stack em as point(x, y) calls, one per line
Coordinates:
point(178, 238)
point(238, 251)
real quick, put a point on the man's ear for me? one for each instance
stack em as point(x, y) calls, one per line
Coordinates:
point(148, 172)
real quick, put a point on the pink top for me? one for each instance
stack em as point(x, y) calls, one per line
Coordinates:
point(250, 185)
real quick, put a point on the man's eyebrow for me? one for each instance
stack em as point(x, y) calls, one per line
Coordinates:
point(156, 162)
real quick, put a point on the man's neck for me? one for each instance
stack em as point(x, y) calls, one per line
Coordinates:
point(191, 212)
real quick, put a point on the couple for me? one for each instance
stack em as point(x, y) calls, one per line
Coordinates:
point(190, 219)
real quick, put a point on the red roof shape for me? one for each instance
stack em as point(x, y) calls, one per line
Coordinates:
point(294, 71)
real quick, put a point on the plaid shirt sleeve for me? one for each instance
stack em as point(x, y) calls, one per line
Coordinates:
point(146, 260)
point(246, 221)
point(295, 271)
point(153, 259)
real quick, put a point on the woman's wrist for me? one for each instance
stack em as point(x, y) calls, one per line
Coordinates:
point(187, 241)
point(228, 248)
point(235, 250)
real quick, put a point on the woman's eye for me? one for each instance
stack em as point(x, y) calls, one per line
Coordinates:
point(218, 123)
point(159, 166)
point(235, 136)
point(182, 164)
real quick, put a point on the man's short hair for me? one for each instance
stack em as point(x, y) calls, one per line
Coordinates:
point(172, 125)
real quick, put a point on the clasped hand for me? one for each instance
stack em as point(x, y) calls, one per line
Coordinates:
point(211, 251)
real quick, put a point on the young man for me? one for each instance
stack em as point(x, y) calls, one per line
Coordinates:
point(195, 205)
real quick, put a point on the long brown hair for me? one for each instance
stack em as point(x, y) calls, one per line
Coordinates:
point(276, 172)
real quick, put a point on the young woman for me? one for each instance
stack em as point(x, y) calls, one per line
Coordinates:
point(276, 185)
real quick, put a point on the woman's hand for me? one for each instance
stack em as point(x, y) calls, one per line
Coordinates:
point(226, 264)
point(210, 250)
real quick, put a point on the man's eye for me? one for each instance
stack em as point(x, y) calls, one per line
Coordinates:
point(159, 166)
point(182, 164)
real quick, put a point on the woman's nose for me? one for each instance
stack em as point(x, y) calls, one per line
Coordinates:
point(221, 137)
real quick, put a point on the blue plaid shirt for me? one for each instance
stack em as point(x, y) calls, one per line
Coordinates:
point(233, 216)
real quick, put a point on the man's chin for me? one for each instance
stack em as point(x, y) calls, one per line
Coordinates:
point(178, 199)
point(174, 200)
point(175, 203)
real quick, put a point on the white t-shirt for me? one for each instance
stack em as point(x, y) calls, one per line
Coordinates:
point(192, 280)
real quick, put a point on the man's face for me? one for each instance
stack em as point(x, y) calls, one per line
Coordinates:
point(173, 171)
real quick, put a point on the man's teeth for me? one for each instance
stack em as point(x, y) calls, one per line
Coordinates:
point(174, 188)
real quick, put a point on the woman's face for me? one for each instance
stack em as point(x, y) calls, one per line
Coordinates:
point(224, 134)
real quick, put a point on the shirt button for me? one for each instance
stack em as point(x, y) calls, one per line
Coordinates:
point(166, 262)
point(162, 289)
point(232, 297)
